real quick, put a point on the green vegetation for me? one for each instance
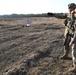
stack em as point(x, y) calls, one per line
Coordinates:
point(58, 15)
point(23, 15)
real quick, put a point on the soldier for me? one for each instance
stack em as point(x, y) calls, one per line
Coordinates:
point(70, 35)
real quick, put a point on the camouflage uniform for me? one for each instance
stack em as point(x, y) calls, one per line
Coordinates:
point(70, 39)
point(73, 42)
point(71, 36)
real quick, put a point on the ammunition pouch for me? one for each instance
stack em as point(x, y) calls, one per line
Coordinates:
point(66, 21)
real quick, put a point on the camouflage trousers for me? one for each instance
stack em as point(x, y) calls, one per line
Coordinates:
point(74, 51)
point(73, 47)
point(66, 46)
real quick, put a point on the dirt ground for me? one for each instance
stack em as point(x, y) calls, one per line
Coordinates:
point(41, 44)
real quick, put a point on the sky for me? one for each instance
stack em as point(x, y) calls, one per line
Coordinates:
point(33, 6)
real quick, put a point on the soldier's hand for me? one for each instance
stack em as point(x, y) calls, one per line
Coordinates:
point(72, 12)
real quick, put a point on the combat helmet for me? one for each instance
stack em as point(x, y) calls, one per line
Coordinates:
point(72, 5)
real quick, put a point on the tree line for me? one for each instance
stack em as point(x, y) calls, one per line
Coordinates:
point(49, 14)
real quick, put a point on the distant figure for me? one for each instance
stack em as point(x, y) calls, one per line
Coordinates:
point(28, 22)
point(70, 35)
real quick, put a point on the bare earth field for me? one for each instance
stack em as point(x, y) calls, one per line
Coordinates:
point(41, 44)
